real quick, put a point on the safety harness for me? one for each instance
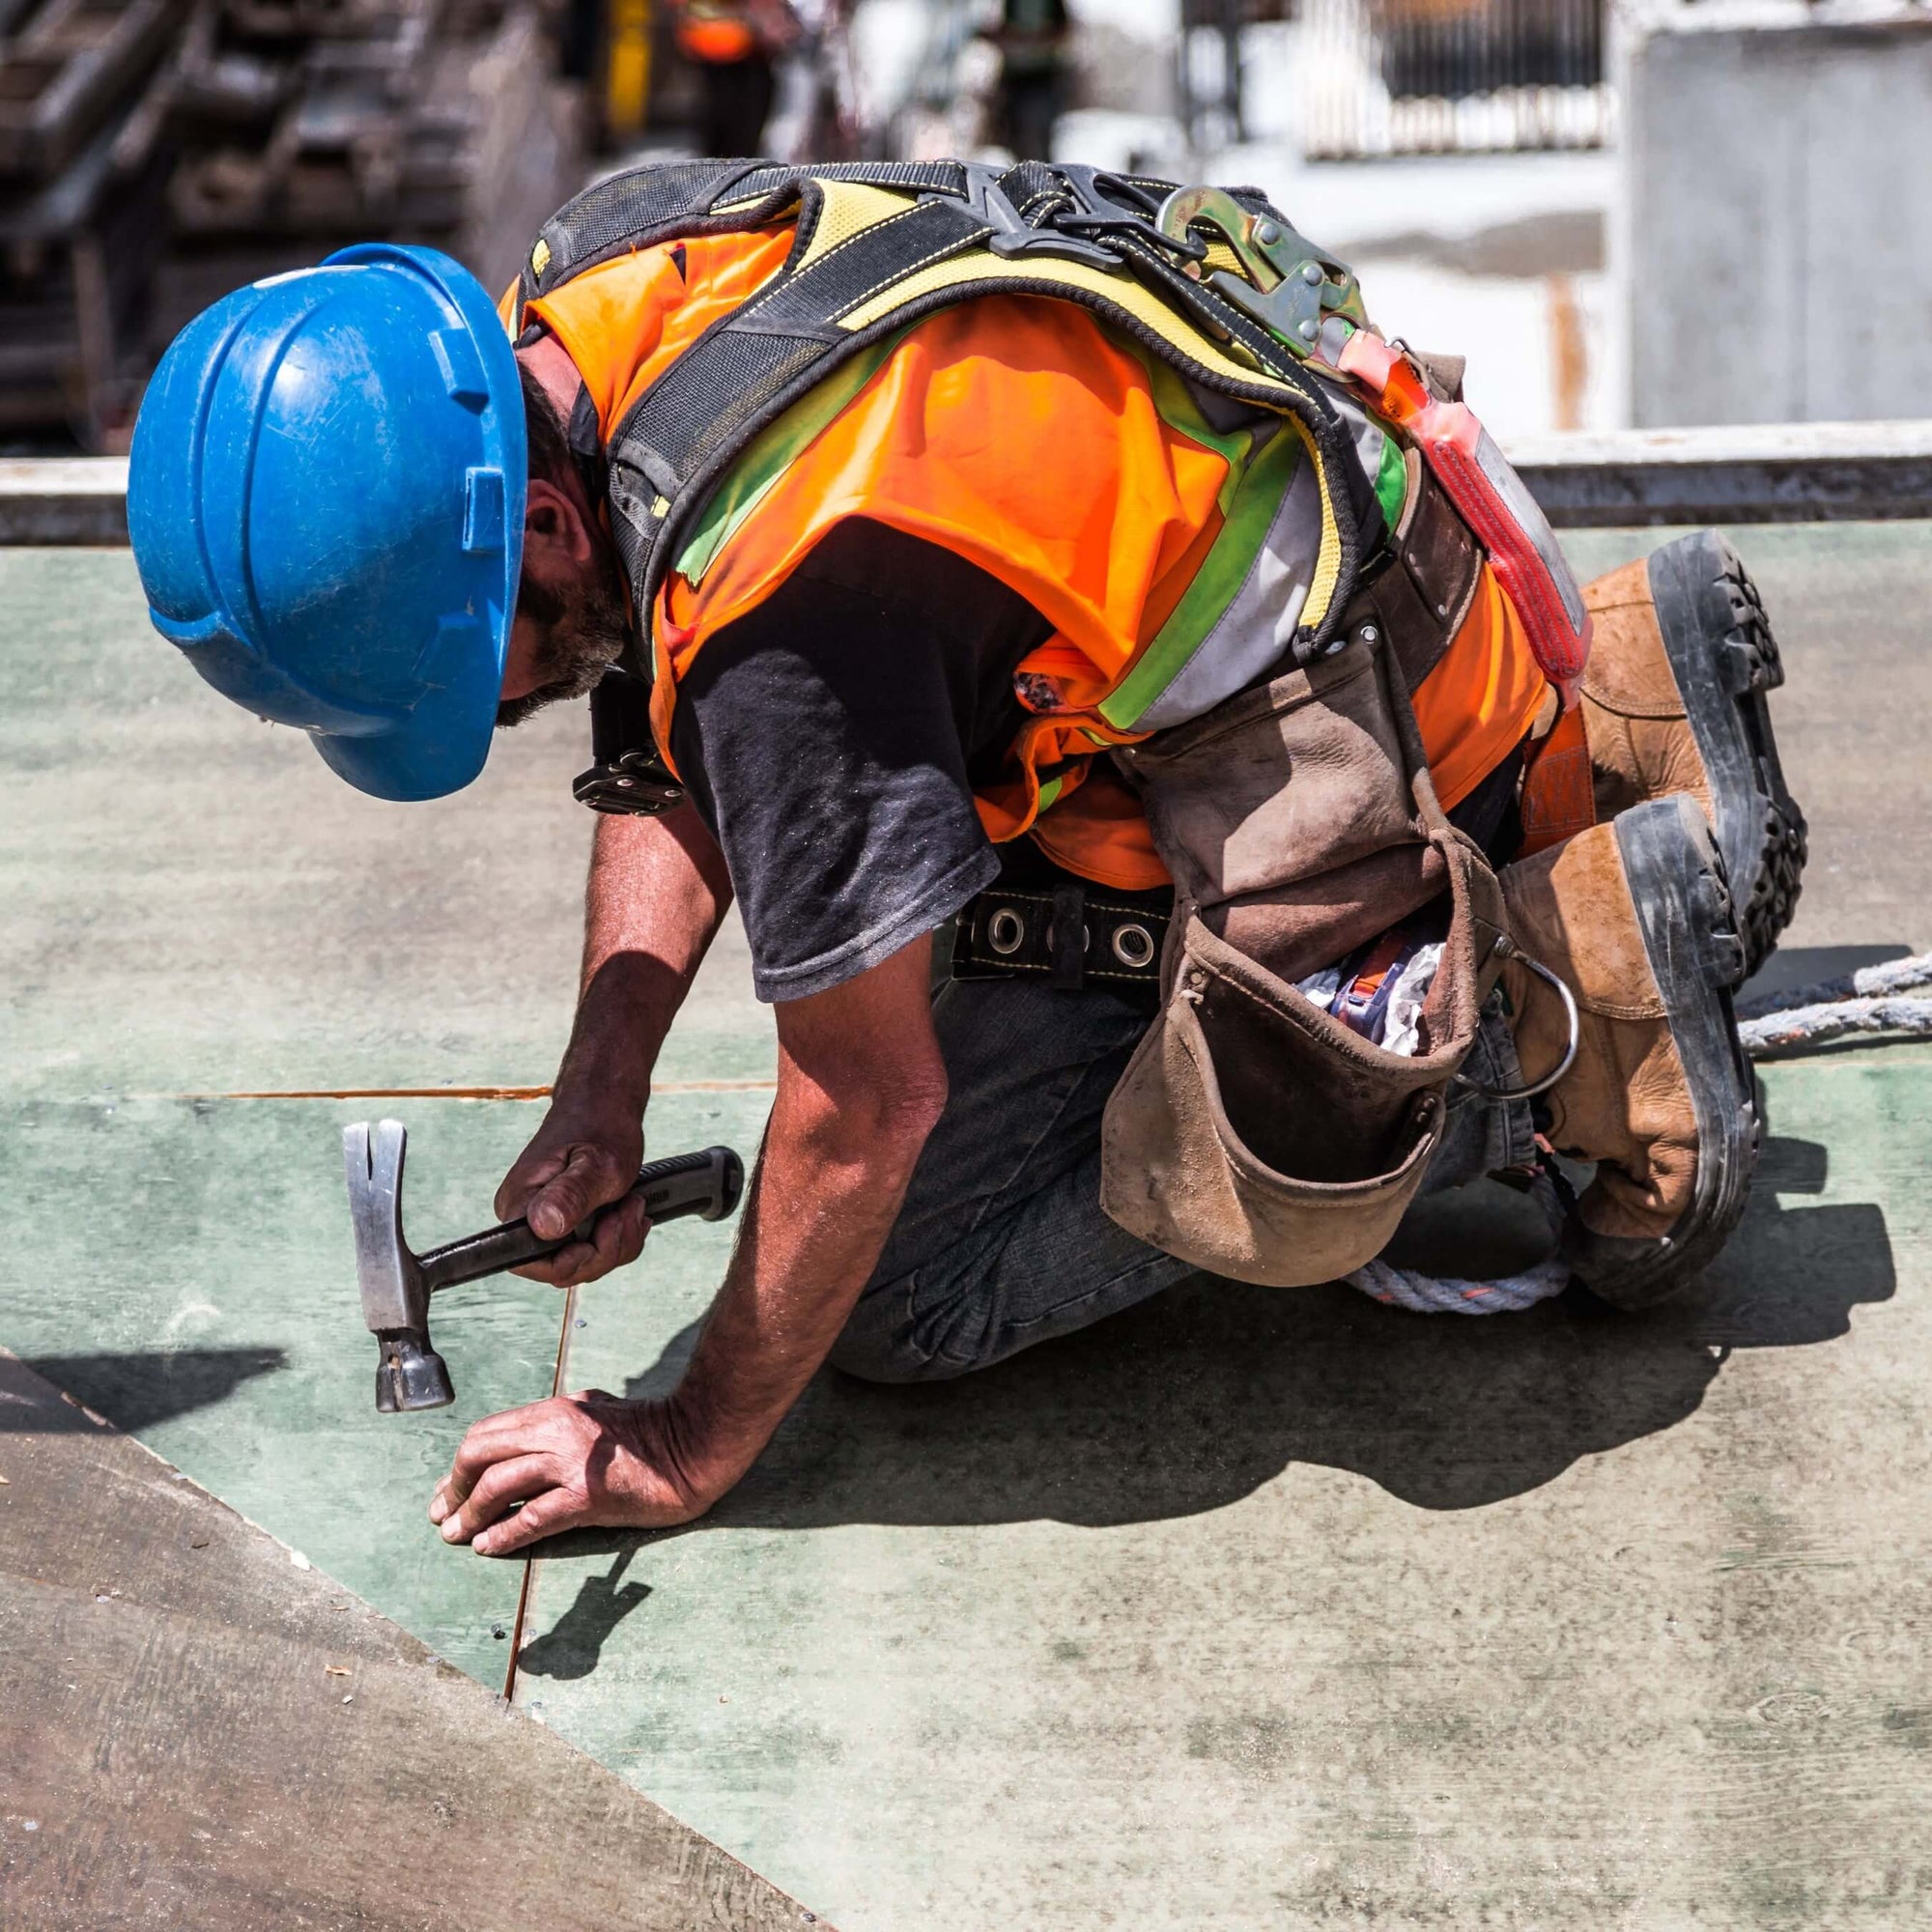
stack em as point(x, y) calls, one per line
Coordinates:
point(1294, 805)
point(1215, 282)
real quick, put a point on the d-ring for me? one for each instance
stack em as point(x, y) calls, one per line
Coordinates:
point(1563, 1065)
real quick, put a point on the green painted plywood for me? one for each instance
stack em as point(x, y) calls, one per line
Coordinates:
point(192, 1278)
point(1254, 1608)
point(210, 1307)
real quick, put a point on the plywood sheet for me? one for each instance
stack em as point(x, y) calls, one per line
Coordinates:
point(1253, 1607)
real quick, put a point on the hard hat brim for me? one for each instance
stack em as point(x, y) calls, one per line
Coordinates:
point(445, 742)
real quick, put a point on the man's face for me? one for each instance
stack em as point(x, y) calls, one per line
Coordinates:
point(572, 622)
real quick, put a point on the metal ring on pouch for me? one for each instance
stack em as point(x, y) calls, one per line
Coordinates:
point(1006, 931)
point(1505, 1094)
point(1142, 945)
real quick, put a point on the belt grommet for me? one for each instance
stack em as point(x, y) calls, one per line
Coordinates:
point(1006, 931)
point(1134, 945)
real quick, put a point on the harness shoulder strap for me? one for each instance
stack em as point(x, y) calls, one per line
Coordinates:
point(661, 201)
point(876, 247)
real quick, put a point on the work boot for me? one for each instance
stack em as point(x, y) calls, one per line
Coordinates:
point(1673, 700)
point(1634, 918)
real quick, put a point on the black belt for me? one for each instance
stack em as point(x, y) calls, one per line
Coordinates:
point(1065, 936)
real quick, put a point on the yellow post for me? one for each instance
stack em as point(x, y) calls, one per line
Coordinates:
point(627, 65)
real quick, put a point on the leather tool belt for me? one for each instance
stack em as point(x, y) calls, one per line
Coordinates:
point(1067, 936)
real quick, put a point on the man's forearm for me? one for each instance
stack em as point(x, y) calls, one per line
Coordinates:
point(657, 893)
point(860, 1084)
point(826, 1193)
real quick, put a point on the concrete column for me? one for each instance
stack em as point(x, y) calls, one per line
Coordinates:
point(1778, 237)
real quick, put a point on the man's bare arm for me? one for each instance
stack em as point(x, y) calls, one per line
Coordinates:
point(657, 893)
point(860, 1084)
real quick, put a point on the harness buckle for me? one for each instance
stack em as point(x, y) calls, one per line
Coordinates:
point(1013, 236)
point(627, 775)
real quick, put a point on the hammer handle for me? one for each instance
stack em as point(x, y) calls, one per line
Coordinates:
point(706, 1183)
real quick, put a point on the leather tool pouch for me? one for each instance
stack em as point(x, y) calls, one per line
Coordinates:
point(1253, 1134)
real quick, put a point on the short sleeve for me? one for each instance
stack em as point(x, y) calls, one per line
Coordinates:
point(825, 738)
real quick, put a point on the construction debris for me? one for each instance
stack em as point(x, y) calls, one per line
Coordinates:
point(155, 155)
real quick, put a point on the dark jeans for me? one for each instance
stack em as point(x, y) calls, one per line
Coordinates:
point(1002, 1242)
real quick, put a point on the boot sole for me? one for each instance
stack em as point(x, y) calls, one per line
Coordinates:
point(1686, 914)
point(1726, 660)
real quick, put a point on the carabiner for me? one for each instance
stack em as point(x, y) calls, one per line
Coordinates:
point(1290, 286)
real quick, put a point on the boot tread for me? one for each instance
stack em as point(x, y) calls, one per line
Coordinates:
point(1688, 922)
point(1725, 658)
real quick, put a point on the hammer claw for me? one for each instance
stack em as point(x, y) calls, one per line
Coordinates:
point(392, 1293)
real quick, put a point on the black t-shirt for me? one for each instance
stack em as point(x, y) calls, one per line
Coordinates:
point(831, 738)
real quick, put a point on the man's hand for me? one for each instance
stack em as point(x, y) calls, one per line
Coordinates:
point(657, 888)
point(578, 1164)
point(574, 1461)
point(860, 1082)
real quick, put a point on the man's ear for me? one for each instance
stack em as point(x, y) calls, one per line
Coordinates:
point(555, 526)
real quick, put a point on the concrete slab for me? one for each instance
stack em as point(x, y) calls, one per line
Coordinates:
point(203, 1729)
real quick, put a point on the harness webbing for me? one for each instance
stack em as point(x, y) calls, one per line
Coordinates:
point(865, 264)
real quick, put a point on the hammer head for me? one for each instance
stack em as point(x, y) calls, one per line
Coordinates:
point(395, 1297)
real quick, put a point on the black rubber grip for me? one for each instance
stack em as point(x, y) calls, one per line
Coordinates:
point(707, 1183)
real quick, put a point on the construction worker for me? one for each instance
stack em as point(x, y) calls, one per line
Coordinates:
point(734, 44)
point(1031, 37)
point(953, 552)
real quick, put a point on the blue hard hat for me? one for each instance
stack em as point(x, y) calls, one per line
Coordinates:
point(326, 498)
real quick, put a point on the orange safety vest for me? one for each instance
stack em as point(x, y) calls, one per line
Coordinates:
point(1024, 434)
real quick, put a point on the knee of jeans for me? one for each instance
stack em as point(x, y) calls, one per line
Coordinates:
point(877, 1348)
point(875, 1345)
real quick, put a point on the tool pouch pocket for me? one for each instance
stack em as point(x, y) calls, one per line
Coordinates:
point(1253, 1134)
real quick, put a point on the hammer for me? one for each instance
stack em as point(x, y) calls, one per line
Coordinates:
point(397, 1285)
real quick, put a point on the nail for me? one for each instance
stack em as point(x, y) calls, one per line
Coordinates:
point(451, 1530)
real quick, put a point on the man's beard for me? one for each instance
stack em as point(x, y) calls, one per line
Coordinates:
point(579, 637)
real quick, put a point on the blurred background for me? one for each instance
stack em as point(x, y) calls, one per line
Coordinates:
point(1623, 213)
